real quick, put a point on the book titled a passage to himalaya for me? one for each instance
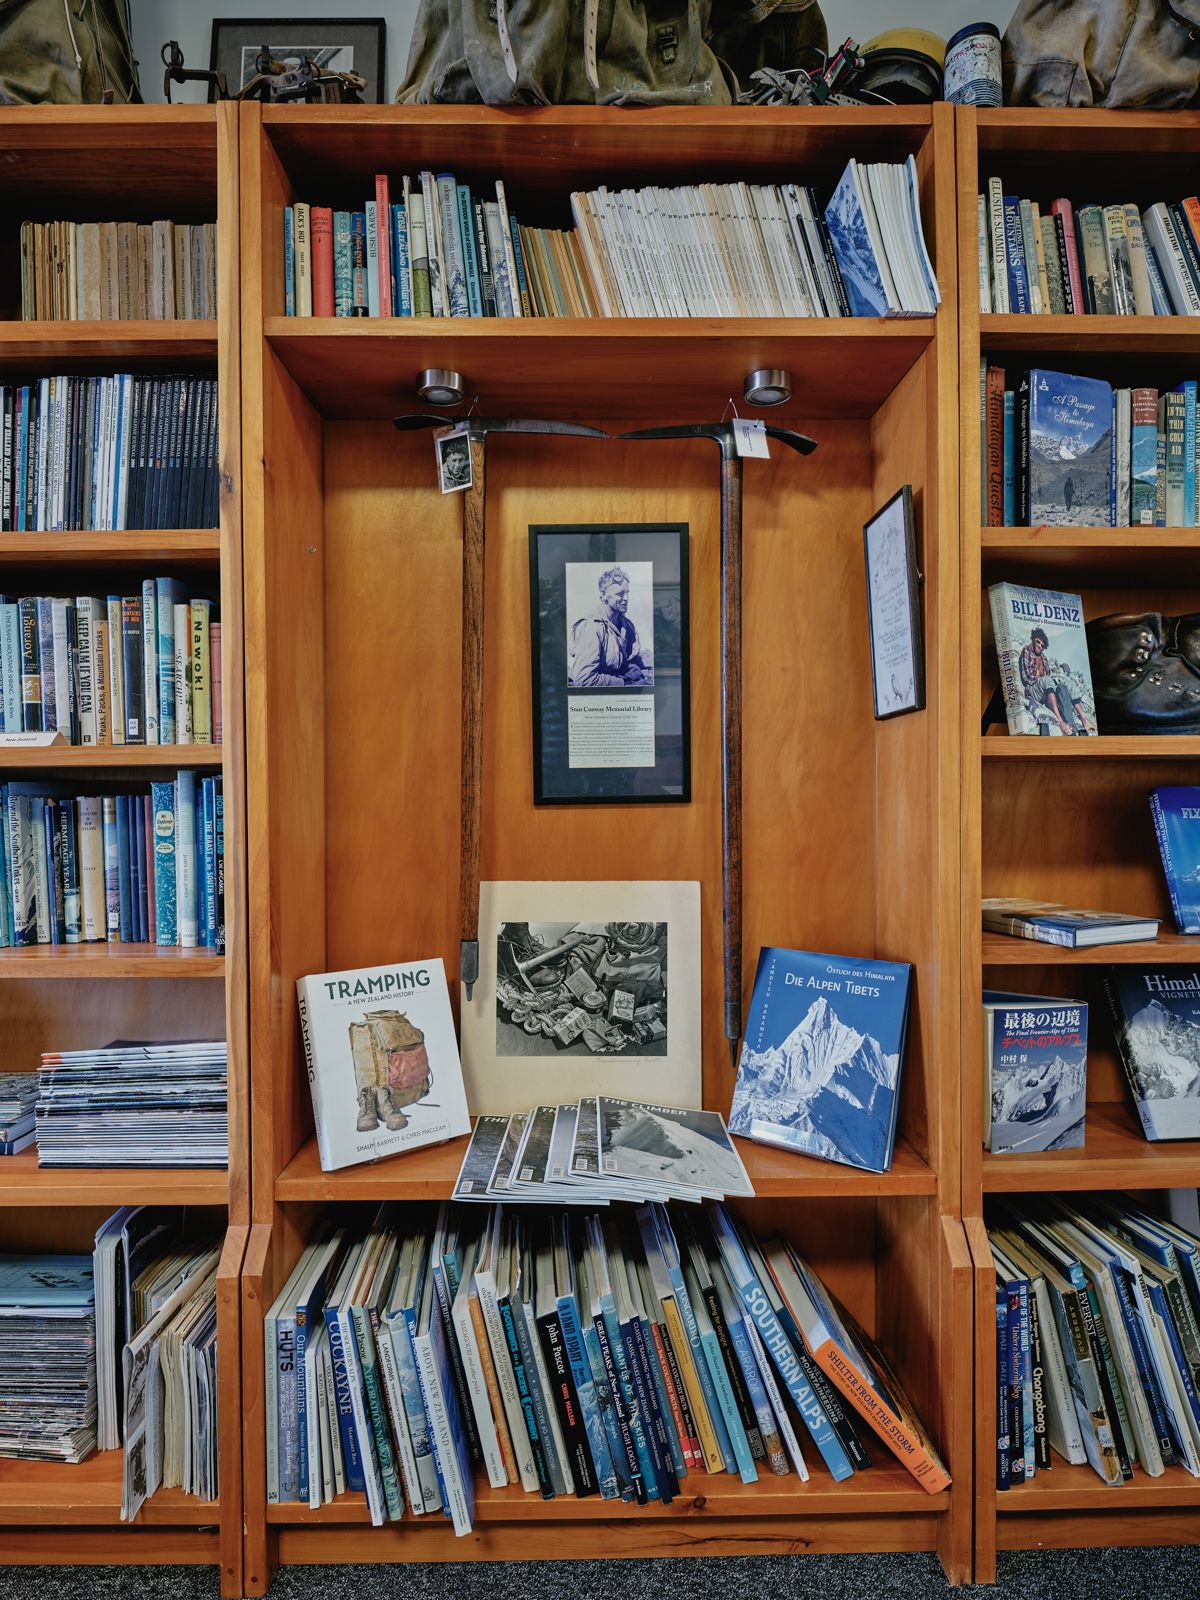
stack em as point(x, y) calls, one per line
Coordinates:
point(1045, 673)
point(1176, 814)
point(1064, 442)
point(1156, 1012)
point(820, 1065)
point(1055, 924)
point(382, 1061)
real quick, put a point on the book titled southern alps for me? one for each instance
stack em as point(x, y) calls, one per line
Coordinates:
point(1035, 1050)
point(382, 1060)
point(1156, 1012)
point(1064, 427)
point(820, 1066)
point(1176, 814)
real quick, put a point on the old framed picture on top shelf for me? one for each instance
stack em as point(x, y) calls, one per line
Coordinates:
point(611, 677)
point(894, 608)
point(336, 44)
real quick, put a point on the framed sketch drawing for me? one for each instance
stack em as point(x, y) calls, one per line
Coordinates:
point(609, 624)
point(894, 608)
point(339, 44)
point(584, 988)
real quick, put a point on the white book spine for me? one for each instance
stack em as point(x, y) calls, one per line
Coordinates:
point(439, 1428)
point(91, 867)
point(185, 859)
point(150, 658)
point(999, 247)
point(485, 1287)
point(985, 259)
point(116, 671)
point(183, 673)
point(333, 1477)
point(782, 1421)
point(312, 1417)
point(386, 1353)
point(83, 641)
point(270, 1359)
point(63, 685)
point(489, 1443)
point(1143, 299)
point(1160, 230)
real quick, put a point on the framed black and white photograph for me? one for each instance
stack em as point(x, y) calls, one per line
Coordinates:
point(894, 608)
point(336, 44)
point(611, 683)
point(453, 451)
point(584, 988)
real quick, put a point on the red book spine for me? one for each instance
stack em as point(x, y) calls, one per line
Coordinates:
point(1064, 209)
point(995, 448)
point(214, 678)
point(383, 227)
point(322, 259)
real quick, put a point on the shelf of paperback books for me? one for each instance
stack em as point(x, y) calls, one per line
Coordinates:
point(1115, 1155)
point(24, 1183)
point(429, 1174)
point(96, 960)
point(193, 547)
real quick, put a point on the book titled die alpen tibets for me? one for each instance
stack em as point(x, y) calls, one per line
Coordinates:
point(382, 1061)
point(820, 1066)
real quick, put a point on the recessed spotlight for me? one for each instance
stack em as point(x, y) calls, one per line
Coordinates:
point(441, 386)
point(768, 386)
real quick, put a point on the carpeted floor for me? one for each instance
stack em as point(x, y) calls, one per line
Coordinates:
point(1043, 1575)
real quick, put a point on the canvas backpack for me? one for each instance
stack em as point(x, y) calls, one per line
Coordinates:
point(67, 52)
point(602, 52)
point(1110, 53)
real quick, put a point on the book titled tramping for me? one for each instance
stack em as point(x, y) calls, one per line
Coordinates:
point(1156, 1013)
point(1066, 925)
point(820, 1064)
point(1045, 673)
point(382, 1060)
point(1035, 1063)
point(1176, 814)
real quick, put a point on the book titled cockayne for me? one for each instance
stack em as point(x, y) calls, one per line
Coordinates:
point(382, 1061)
point(820, 1065)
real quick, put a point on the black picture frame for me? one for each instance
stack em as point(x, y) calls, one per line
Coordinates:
point(897, 634)
point(232, 35)
point(561, 724)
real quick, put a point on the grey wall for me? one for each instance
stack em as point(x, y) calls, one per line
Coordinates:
point(155, 21)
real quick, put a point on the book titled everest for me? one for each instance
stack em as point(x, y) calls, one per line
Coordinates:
point(1156, 1012)
point(1045, 673)
point(382, 1061)
point(1065, 925)
point(1064, 431)
point(820, 1064)
point(1176, 814)
point(1035, 1063)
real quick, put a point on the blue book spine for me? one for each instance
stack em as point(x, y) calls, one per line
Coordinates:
point(466, 223)
point(1028, 1446)
point(135, 867)
point(1018, 272)
point(351, 1460)
point(585, 1388)
point(1010, 459)
point(519, 263)
point(400, 255)
point(604, 1321)
point(52, 845)
point(219, 849)
point(210, 862)
point(622, 1471)
point(163, 806)
point(289, 262)
point(343, 264)
point(729, 1411)
point(168, 593)
point(126, 902)
point(1189, 453)
point(9, 921)
point(302, 1465)
point(10, 665)
point(201, 870)
point(285, 1360)
point(525, 1395)
point(1144, 1363)
point(646, 1398)
point(72, 914)
point(658, 1378)
point(112, 869)
point(1003, 1461)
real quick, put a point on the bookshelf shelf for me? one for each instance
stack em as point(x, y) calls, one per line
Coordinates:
point(129, 758)
point(1093, 558)
point(1001, 746)
point(430, 1174)
point(183, 546)
point(622, 367)
point(42, 345)
point(24, 1183)
point(1003, 950)
point(1117, 1155)
point(42, 1492)
point(67, 961)
point(1068, 1488)
point(1049, 335)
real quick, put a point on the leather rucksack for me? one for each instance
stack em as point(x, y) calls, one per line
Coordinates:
point(1102, 53)
point(66, 52)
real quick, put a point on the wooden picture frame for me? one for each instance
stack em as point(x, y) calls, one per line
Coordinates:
point(585, 719)
point(894, 608)
point(360, 42)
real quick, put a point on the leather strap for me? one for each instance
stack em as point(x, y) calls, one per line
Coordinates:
point(591, 22)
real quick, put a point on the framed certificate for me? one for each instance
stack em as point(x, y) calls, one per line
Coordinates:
point(894, 608)
point(609, 623)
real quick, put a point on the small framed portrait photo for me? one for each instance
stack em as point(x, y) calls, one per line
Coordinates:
point(455, 471)
point(894, 608)
point(336, 44)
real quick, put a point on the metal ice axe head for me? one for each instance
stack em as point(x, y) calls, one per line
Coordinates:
point(479, 427)
point(722, 433)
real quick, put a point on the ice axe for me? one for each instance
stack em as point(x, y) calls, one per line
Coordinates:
point(722, 433)
point(477, 430)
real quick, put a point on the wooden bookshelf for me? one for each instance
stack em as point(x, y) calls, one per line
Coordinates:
point(130, 163)
point(1094, 845)
point(343, 524)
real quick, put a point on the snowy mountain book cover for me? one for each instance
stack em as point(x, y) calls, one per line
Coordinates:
point(1176, 814)
point(1037, 1072)
point(850, 236)
point(820, 1065)
point(1156, 1013)
point(1045, 672)
point(1069, 450)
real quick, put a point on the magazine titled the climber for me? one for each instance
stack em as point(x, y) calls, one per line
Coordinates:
point(820, 1065)
point(382, 1061)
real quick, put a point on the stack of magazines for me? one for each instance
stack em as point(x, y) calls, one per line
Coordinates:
point(134, 1105)
point(47, 1358)
point(18, 1098)
point(591, 1151)
point(612, 1354)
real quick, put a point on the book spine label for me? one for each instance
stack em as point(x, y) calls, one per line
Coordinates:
point(1014, 256)
point(289, 262)
point(403, 266)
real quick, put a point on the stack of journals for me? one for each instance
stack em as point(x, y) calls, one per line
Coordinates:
point(612, 1354)
point(134, 1105)
point(1097, 1340)
point(1103, 260)
point(108, 453)
point(117, 271)
point(129, 669)
point(705, 250)
point(47, 1358)
point(140, 867)
point(18, 1102)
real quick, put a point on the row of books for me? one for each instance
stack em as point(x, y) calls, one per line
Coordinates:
point(134, 1105)
point(611, 1355)
point(118, 271)
point(140, 867)
point(1097, 1340)
point(108, 453)
point(18, 1111)
point(1061, 450)
point(711, 249)
point(1102, 260)
point(127, 669)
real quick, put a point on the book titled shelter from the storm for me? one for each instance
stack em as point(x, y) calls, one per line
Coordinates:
point(820, 1065)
